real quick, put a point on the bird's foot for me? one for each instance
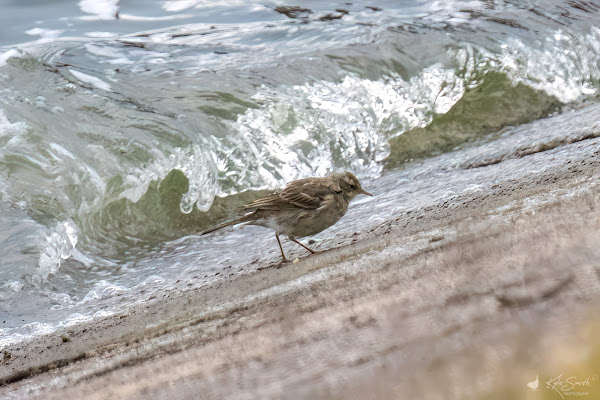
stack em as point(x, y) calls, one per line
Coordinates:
point(276, 265)
point(306, 247)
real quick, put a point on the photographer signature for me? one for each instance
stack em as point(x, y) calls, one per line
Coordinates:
point(563, 386)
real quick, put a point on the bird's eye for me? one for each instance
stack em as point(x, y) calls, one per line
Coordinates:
point(352, 186)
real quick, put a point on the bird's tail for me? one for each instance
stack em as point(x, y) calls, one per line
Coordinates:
point(245, 218)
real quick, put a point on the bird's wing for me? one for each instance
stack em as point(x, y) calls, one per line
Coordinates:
point(310, 194)
point(270, 202)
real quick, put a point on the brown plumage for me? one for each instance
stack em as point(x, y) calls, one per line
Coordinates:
point(303, 208)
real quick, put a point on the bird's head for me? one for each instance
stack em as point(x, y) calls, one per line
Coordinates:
point(350, 185)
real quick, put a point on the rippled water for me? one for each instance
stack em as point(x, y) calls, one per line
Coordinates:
point(125, 128)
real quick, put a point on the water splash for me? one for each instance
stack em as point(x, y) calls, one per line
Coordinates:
point(318, 127)
point(60, 245)
point(11, 130)
point(195, 162)
point(565, 65)
point(103, 290)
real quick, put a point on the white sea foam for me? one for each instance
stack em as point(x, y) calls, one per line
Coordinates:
point(103, 290)
point(101, 34)
point(565, 65)
point(101, 9)
point(15, 131)
point(154, 19)
point(75, 319)
point(26, 331)
point(330, 125)
point(59, 246)
point(104, 51)
point(178, 5)
point(9, 54)
point(92, 80)
point(9, 289)
point(11, 129)
point(14, 286)
point(153, 280)
point(45, 33)
point(455, 12)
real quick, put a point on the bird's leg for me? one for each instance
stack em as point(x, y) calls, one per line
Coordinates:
point(285, 260)
point(306, 247)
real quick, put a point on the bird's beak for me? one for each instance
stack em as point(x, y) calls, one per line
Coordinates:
point(363, 191)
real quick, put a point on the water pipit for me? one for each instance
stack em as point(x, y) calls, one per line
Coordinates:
point(303, 208)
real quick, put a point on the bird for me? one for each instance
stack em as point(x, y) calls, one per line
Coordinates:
point(303, 208)
point(534, 385)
